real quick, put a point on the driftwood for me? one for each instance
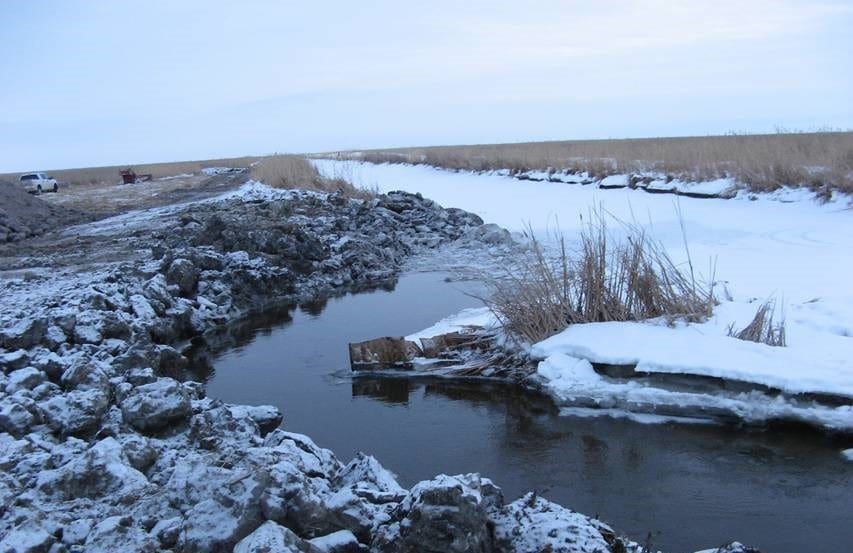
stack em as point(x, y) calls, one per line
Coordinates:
point(383, 353)
point(472, 351)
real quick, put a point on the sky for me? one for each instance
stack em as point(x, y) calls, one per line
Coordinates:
point(101, 83)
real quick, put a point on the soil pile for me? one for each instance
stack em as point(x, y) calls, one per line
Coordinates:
point(23, 215)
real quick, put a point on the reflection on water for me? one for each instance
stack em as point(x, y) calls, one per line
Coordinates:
point(388, 390)
point(691, 486)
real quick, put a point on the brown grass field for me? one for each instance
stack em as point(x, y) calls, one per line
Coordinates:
point(819, 160)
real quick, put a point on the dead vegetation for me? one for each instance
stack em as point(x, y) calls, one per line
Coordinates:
point(604, 279)
point(764, 328)
point(822, 161)
point(292, 171)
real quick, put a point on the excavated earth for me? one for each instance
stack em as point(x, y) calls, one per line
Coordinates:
point(24, 215)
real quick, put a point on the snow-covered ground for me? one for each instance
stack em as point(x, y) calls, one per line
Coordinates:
point(786, 245)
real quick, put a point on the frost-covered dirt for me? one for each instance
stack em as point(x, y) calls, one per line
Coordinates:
point(106, 199)
point(102, 450)
point(786, 245)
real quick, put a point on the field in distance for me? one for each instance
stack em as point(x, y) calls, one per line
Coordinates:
point(760, 162)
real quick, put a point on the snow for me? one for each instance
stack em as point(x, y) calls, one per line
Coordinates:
point(533, 523)
point(711, 187)
point(783, 244)
point(614, 180)
point(26, 537)
point(210, 171)
point(698, 349)
point(475, 316)
point(335, 541)
point(250, 191)
point(847, 454)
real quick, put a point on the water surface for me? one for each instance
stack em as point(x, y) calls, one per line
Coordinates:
point(691, 486)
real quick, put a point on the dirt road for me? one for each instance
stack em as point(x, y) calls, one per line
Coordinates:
point(105, 200)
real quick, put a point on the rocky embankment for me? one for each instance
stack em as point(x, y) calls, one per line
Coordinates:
point(100, 450)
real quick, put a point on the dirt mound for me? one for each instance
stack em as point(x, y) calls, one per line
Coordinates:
point(23, 215)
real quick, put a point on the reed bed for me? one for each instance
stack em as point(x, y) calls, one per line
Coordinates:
point(602, 279)
point(293, 171)
point(762, 162)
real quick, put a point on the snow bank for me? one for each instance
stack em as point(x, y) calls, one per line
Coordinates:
point(566, 372)
point(698, 350)
point(581, 391)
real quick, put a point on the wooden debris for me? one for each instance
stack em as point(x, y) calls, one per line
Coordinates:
point(437, 345)
point(383, 353)
point(470, 352)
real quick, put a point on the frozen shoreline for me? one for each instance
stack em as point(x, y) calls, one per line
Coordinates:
point(785, 245)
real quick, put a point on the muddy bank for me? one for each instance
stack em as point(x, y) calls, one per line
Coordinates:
point(103, 451)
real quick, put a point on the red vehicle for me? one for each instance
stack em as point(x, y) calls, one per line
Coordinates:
point(129, 176)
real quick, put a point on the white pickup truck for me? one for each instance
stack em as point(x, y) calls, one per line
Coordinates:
point(36, 183)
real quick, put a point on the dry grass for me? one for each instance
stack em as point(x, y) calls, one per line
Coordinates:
point(763, 328)
point(292, 171)
point(820, 160)
point(606, 279)
point(110, 174)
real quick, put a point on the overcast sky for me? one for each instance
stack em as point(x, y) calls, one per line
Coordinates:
point(94, 83)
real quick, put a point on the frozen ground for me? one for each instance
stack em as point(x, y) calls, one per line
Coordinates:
point(106, 199)
point(786, 245)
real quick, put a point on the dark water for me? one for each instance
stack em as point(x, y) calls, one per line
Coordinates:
point(691, 486)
